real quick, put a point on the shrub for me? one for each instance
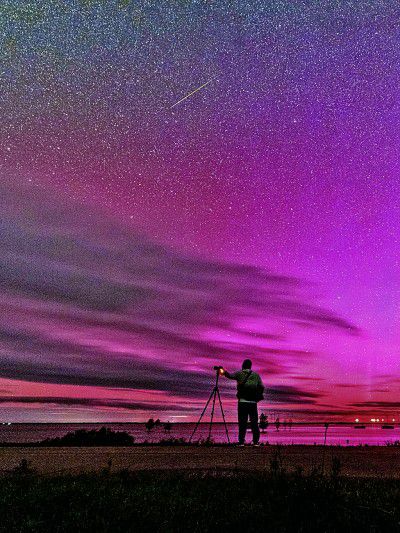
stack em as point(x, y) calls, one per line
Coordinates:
point(94, 437)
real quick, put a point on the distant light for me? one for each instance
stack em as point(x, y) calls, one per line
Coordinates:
point(392, 419)
point(357, 420)
point(377, 419)
point(372, 419)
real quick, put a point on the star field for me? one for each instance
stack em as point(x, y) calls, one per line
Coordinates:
point(229, 133)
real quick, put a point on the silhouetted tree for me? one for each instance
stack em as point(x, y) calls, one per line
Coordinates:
point(168, 426)
point(277, 423)
point(150, 424)
point(326, 425)
point(263, 422)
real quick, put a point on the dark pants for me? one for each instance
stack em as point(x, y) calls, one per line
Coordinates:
point(246, 410)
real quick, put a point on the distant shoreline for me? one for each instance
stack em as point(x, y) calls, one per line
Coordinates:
point(271, 423)
point(344, 434)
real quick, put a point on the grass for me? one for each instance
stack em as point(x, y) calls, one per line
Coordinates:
point(198, 501)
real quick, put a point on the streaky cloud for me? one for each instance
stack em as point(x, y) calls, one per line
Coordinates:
point(291, 395)
point(85, 300)
point(95, 402)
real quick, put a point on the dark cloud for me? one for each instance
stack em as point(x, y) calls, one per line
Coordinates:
point(350, 385)
point(318, 413)
point(291, 395)
point(57, 361)
point(385, 380)
point(96, 402)
point(143, 313)
point(377, 404)
point(307, 379)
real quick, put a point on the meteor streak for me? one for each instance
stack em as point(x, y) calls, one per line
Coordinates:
point(190, 94)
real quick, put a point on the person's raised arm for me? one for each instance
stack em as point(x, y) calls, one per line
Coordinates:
point(229, 375)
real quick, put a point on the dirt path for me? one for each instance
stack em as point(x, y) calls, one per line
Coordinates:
point(360, 462)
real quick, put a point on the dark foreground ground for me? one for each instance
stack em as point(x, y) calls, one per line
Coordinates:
point(173, 501)
point(372, 461)
point(199, 489)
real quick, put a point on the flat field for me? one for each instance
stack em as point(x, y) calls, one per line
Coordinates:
point(372, 461)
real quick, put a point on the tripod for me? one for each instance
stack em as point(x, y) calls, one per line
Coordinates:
point(213, 395)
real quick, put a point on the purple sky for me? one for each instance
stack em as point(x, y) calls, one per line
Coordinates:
point(142, 241)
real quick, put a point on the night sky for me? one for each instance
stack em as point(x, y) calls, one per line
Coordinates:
point(146, 236)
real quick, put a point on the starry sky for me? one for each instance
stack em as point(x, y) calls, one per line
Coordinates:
point(189, 183)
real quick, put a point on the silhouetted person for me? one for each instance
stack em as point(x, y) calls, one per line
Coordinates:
point(249, 392)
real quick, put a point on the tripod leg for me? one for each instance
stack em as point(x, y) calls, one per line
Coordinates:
point(212, 412)
point(201, 416)
point(223, 416)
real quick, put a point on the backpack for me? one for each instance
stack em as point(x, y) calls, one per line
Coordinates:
point(250, 393)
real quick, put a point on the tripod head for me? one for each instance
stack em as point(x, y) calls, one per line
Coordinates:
point(219, 371)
